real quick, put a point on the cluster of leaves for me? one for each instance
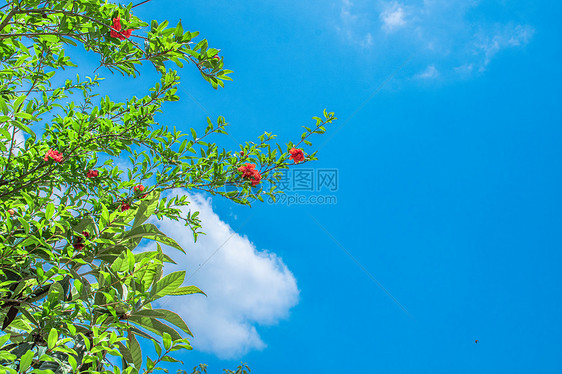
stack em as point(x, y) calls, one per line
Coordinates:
point(73, 291)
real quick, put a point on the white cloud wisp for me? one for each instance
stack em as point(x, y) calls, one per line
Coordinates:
point(245, 287)
point(454, 38)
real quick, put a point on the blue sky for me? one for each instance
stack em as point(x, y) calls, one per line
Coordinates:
point(449, 187)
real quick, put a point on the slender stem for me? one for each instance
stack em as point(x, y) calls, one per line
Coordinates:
point(7, 18)
point(142, 2)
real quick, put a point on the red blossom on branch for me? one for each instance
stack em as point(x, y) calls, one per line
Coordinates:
point(249, 172)
point(124, 206)
point(55, 155)
point(138, 188)
point(78, 245)
point(256, 178)
point(92, 174)
point(116, 30)
point(297, 155)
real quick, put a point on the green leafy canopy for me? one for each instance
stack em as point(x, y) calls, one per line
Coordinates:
point(74, 289)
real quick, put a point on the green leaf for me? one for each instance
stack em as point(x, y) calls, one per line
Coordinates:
point(125, 352)
point(119, 264)
point(167, 284)
point(187, 291)
point(150, 231)
point(23, 115)
point(179, 30)
point(56, 292)
point(152, 324)
point(25, 225)
point(26, 359)
point(171, 359)
point(73, 363)
point(167, 340)
point(49, 211)
point(52, 339)
point(166, 315)
point(146, 208)
point(85, 224)
point(18, 102)
point(131, 260)
point(3, 106)
point(174, 319)
point(135, 349)
point(4, 339)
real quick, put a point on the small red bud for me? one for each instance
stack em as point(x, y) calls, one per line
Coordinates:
point(11, 212)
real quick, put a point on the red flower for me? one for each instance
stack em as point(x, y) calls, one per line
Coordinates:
point(297, 155)
point(249, 172)
point(92, 173)
point(55, 155)
point(116, 32)
point(125, 206)
point(138, 188)
point(78, 245)
point(126, 33)
point(256, 178)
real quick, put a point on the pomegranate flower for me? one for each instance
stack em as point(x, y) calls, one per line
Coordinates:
point(92, 173)
point(249, 172)
point(256, 178)
point(297, 155)
point(140, 188)
point(125, 206)
point(55, 155)
point(78, 245)
point(116, 30)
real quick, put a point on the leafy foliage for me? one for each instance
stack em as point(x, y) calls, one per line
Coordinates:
point(73, 291)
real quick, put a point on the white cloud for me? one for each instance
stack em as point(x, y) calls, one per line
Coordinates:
point(489, 44)
point(246, 287)
point(350, 24)
point(429, 73)
point(367, 41)
point(393, 17)
point(458, 36)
